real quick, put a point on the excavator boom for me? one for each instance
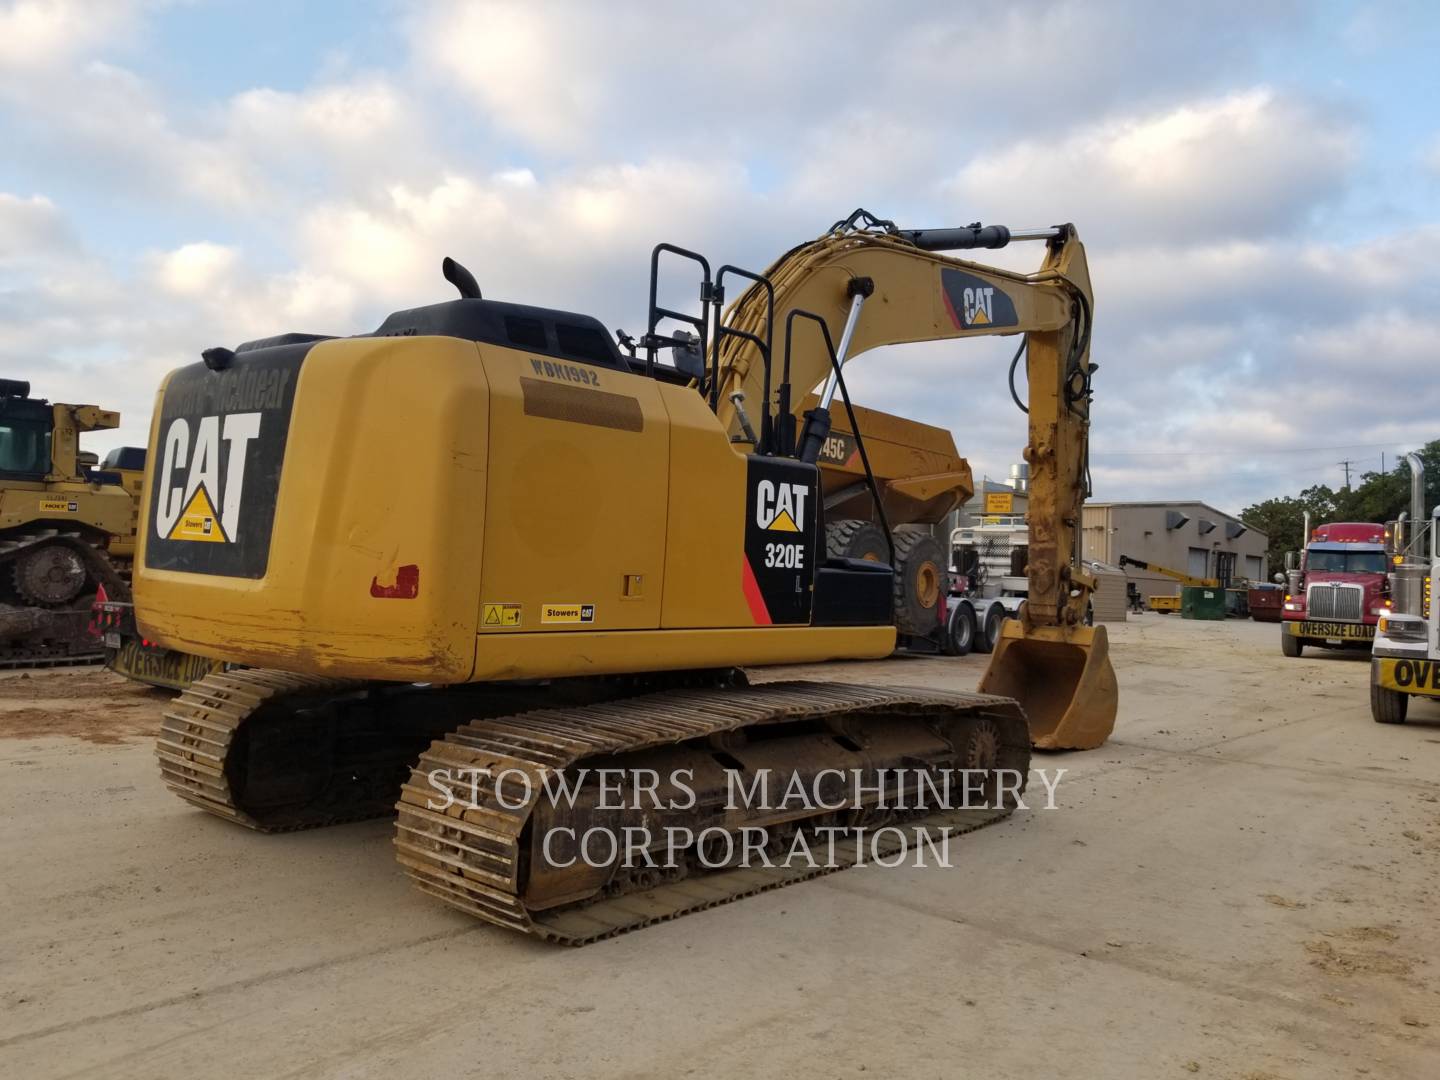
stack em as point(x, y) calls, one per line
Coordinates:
point(874, 285)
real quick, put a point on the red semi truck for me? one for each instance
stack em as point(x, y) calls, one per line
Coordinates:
point(1340, 590)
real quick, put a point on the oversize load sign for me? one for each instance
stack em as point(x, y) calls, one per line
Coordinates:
point(1351, 631)
point(1409, 676)
point(176, 670)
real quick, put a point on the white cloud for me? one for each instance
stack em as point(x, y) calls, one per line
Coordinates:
point(36, 34)
point(573, 77)
point(1247, 164)
point(580, 239)
point(31, 229)
point(195, 270)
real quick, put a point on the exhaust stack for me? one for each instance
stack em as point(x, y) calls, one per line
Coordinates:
point(1417, 489)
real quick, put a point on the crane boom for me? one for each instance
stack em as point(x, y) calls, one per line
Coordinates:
point(1183, 578)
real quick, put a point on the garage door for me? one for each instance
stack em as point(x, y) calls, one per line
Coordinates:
point(1199, 562)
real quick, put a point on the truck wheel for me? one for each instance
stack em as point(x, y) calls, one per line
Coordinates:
point(856, 538)
point(989, 635)
point(961, 636)
point(1289, 643)
point(921, 580)
point(1388, 706)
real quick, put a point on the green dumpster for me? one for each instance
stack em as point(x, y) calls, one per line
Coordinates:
point(1198, 602)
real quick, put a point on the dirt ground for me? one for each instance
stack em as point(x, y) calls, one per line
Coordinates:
point(1241, 884)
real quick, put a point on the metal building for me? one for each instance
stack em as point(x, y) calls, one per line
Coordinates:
point(1191, 537)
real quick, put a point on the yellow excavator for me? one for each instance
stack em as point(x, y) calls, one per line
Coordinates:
point(487, 537)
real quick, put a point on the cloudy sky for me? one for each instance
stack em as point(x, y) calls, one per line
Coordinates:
point(1258, 186)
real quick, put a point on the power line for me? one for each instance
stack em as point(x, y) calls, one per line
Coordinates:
point(1237, 453)
point(1346, 466)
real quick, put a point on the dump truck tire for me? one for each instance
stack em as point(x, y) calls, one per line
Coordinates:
point(856, 538)
point(921, 580)
point(1388, 706)
point(1289, 643)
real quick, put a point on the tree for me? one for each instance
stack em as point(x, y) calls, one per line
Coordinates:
point(1378, 497)
point(1283, 519)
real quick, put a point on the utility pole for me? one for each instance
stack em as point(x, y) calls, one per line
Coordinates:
point(1346, 466)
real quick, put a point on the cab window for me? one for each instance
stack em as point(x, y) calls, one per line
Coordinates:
point(24, 447)
point(1347, 562)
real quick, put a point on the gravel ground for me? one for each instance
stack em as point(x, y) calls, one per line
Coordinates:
point(1240, 884)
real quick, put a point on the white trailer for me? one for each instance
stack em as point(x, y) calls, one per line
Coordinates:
point(987, 579)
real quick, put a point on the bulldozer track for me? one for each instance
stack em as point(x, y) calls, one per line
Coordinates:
point(16, 661)
point(58, 636)
point(473, 856)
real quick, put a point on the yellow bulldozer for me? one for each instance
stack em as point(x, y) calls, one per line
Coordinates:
point(67, 526)
point(484, 551)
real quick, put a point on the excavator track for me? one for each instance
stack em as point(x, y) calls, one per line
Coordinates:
point(276, 751)
point(198, 740)
point(481, 853)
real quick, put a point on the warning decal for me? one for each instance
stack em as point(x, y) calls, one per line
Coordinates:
point(199, 521)
point(493, 615)
point(567, 613)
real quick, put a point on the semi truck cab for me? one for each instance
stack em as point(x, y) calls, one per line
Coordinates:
point(1340, 591)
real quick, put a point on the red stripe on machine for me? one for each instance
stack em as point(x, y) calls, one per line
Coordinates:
point(758, 611)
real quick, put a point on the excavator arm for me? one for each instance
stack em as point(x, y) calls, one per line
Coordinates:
point(872, 284)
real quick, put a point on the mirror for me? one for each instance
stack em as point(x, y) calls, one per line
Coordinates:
point(1278, 578)
point(1289, 560)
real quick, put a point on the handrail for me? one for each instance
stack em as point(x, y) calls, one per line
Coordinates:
point(849, 409)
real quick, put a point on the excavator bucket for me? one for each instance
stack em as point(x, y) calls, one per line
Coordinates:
point(1062, 678)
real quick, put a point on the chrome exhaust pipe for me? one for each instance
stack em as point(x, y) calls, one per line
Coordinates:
point(1417, 488)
